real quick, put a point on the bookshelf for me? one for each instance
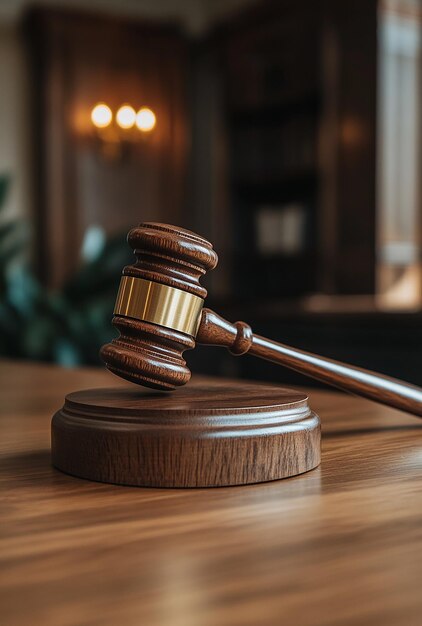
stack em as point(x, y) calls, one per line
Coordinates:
point(298, 104)
point(272, 112)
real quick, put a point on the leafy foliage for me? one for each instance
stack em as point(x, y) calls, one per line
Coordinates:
point(66, 326)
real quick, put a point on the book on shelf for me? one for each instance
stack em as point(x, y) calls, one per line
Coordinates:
point(281, 229)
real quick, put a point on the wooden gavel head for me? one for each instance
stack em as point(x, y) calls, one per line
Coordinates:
point(158, 307)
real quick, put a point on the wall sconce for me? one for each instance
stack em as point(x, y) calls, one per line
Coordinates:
point(115, 131)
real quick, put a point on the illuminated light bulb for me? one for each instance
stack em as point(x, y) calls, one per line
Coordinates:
point(145, 119)
point(126, 116)
point(101, 115)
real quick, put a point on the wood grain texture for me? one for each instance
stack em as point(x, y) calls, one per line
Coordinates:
point(208, 434)
point(239, 339)
point(339, 545)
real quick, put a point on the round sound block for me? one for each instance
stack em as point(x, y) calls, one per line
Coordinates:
point(207, 434)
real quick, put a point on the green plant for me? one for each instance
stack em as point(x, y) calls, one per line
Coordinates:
point(66, 326)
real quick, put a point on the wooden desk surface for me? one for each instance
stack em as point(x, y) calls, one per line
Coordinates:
point(339, 545)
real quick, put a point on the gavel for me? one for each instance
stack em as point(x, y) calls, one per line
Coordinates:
point(159, 314)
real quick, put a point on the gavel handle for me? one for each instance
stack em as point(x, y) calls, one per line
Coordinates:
point(239, 339)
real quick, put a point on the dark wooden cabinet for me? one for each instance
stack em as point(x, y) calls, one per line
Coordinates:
point(297, 100)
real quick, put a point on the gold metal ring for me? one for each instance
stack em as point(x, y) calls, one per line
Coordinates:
point(158, 304)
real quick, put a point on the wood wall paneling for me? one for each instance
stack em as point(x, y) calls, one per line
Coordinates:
point(78, 60)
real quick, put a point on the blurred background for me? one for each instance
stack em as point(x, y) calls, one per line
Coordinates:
point(288, 133)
